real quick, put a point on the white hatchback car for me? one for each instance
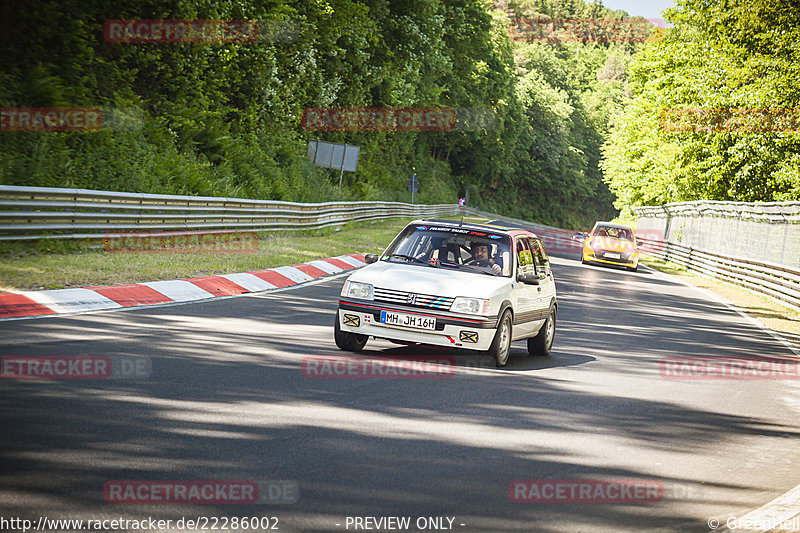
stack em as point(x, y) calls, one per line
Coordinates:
point(444, 283)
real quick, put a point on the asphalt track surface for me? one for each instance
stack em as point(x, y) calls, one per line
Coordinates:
point(226, 399)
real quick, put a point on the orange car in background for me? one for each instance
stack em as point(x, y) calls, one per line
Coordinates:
point(611, 244)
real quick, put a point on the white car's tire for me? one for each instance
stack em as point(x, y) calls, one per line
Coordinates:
point(501, 345)
point(349, 342)
point(542, 343)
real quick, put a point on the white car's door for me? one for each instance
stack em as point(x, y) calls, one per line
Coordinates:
point(525, 298)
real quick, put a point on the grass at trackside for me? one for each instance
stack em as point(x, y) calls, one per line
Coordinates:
point(773, 315)
point(67, 265)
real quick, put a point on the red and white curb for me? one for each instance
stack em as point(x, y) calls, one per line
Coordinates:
point(55, 302)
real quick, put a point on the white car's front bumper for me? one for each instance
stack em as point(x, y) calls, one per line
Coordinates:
point(467, 334)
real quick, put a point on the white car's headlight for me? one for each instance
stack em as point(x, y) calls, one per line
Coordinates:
point(354, 289)
point(471, 306)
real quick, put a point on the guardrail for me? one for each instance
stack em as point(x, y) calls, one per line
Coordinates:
point(41, 212)
point(779, 282)
point(769, 212)
point(759, 231)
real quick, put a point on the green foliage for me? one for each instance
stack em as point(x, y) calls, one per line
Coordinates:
point(223, 119)
point(719, 55)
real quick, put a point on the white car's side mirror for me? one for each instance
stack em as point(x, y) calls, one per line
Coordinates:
point(528, 279)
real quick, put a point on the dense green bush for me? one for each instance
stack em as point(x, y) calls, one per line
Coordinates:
point(718, 56)
point(224, 118)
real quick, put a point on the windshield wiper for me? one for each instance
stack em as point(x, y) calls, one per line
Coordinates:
point(410, 258)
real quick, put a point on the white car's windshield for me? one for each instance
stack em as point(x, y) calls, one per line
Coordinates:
point(452, 247)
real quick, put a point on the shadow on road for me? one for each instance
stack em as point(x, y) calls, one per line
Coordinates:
point(227, 400)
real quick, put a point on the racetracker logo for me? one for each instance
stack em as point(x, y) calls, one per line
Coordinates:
point(201, 492)
point(396, 119)
point(544, 30)
point(53, 119)
point(729, 119)
point(647, 240)
point(627, 491)
point(556, 241)
point(650, 240)
point(347, 367)
point(198, 31)
point(74, 367)
point(185, 242)
point(729, 368)
point(586, 491)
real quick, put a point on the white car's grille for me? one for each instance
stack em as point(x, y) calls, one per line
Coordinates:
point(413, 299)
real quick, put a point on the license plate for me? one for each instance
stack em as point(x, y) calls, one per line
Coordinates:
point(408, 321)
point(611, 255)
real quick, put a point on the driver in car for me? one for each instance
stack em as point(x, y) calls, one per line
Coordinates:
point(480, 257)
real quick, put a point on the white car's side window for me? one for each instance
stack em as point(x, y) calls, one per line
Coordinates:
point(524, 257)
point(543, 259)
point(539, 258)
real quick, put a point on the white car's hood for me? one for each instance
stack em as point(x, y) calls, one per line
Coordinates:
point(423, 279)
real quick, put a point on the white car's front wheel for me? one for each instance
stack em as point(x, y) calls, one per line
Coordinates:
point(501, 345)
point(349, 342)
